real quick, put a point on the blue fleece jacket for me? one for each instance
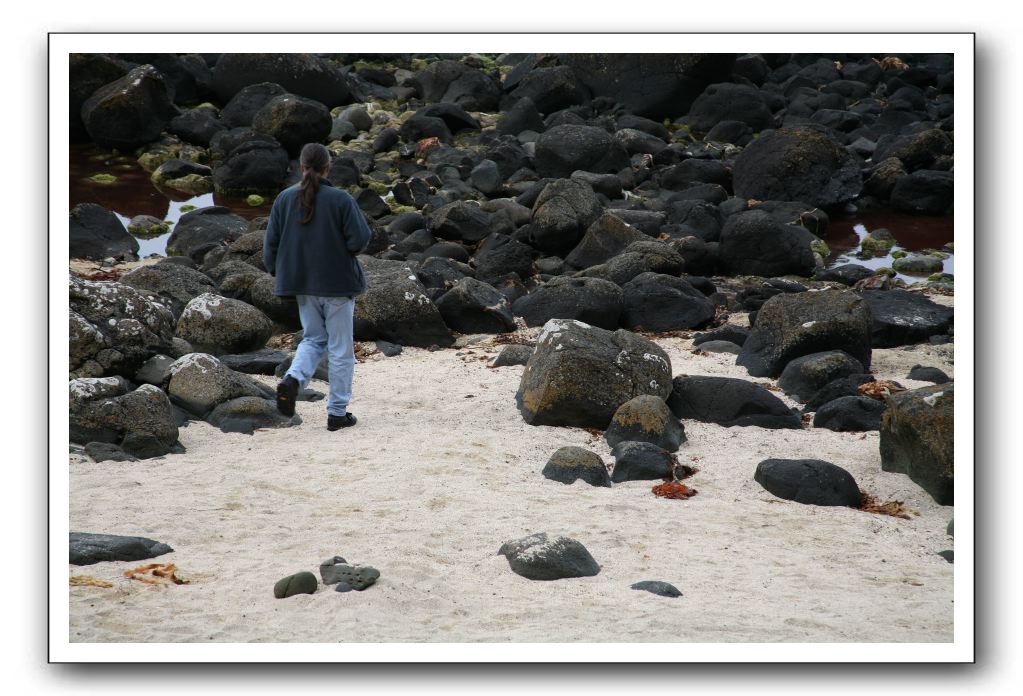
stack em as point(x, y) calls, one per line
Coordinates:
point(319, 257)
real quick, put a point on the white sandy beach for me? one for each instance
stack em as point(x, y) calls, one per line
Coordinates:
point(442, 469)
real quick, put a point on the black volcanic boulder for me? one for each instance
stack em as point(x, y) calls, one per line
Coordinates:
point(920, 150)
point(459, 220)
point(395, 308)
point(175, 284)
point(245, 414)
point(641, 461)
point(103, 410)
point(805, 375)
point(658, 302)
point(590, 300)
point(655, 85)
point(847, 274)
point(130, 111)
point(729, 402)
point(570, 464)
point(96, 233)
point(86, 549)
point(579, 375)
point(754, 243)
point(808, 481)
point(729, 332)
point(917, 438)
point(792, 325)
point(539, 557)
point(522, 116)
point(501, 255)
point(608, 236)
point(562, 150)
point(293, 121)
point(247, 102)
point(198, 231)
point(455, 117)
point(304, 74)
point(850, 414)
point(474, 90)
point(87, 73)
point(924, 192)
point(649, 256)
point(471, 306)
point(197, 125)
point(114, 328)
point(550, 89)
point(727, 101)
point(797, 164)
point(928, 374)
point(433, 80)
point(646, 419)
point(561, 215)
point(836, 389)
point(219, 325)
point(900, 317)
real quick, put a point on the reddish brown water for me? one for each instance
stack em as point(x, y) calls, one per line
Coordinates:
point(911, 233)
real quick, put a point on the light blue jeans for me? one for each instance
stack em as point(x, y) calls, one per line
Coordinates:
point(327, 323)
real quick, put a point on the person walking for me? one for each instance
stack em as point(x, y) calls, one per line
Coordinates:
point(312, 238)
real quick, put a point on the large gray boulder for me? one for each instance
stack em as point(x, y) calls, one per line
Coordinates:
point(395, 308)
point(791, 325)
point(805, 375)
point(539, 557)
point(579, 375)
point(103, 410)
point(113, 328)
point(175, 284)
point(199, 382)
point(918, 437)
point(219, 325)
point(797, 164)
point(659, 302)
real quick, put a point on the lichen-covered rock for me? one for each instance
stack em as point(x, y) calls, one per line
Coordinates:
point(96, 234)
point(729, 402)
point(579, 374)
point(792, 325)
point(114, 328)
point(395, 308)
point(130, 111)
point(808, 481)
point(102, 410)
point(539, 557)
point(175, 284)
point(199, 382)
point(917, 438)
point(646, 419)
point(219, 325)
point(570, 464)
point(797, 164)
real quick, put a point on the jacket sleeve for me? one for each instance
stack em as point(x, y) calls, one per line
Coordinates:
point(354, 228)
point(272, 239)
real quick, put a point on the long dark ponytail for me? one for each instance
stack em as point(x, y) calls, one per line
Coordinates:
point(314, 161)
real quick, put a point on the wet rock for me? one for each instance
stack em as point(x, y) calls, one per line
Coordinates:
point(299, 583)
point(113, 328)
point(850, 414)
point(246, 414)
point(590, 300)
point(539, 557)
point(792, 325)
point(471, 306)
point(579, 374)
point(570, 464)
point(797, 164)
point(754, 243)
point(86, 549)
point(646, 419)
point(804, 376)
point(918, 264)
point(808, 481)
point(661, 589)
point(658, 302)
point(917, 438)
point(900, 317)
point(219, 325)
point(641, 461)
point(395, 308)
point(130, 111)
point(729, 402)
point(847, 274)
point(305, 74)
point(96, 233)
point(928, 374)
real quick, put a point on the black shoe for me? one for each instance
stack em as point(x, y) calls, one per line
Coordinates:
point(338, 422)
point(287, 391)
